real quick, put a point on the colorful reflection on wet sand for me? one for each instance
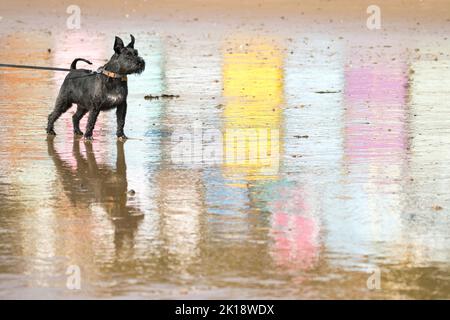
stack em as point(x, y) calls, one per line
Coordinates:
point(276, 174)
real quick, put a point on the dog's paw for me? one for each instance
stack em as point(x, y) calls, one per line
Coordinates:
point(51, 132)
point(122, 138)
point(78, 132)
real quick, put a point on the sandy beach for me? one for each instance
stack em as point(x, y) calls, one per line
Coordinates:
point(301, 156)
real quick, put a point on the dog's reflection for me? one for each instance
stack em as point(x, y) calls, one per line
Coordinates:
point(92, 183)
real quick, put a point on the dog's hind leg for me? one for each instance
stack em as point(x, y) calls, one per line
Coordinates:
point(61, 106)
point(76, 120)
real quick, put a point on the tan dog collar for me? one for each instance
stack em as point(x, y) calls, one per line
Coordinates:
point(114, 75)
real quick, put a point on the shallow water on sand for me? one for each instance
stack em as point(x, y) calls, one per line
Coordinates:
point(300, 167)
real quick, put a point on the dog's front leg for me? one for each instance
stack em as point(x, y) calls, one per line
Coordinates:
point(93, 114)
point(121, 113)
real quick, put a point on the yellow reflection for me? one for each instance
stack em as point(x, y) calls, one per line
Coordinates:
point(253, 89)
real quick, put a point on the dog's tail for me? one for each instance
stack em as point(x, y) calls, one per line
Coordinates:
point(74, 62)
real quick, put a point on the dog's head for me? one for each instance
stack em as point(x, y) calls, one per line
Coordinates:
point(126, 59)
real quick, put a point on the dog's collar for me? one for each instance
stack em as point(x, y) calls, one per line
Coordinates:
point(114, 75)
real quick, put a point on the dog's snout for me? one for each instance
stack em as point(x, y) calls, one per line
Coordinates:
point(141, 64)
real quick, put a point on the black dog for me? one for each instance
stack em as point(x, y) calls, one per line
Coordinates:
point(98, 91)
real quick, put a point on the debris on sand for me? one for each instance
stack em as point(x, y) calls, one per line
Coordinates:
point(163, 96)
point(299, 137)
point(437, 208)
point(327, 91)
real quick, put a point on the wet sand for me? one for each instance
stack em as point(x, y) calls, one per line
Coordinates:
point(343, 132)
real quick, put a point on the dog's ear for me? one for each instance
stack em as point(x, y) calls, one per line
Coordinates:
point(131, 44)
point(118, 45)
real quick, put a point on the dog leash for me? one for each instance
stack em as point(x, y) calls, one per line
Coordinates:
point(21, 66)
point(99, 71)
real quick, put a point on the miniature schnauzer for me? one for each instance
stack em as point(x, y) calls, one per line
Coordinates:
point(102, 90)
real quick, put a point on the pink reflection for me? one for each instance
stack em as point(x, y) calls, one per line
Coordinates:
point(377, 84)
point(375, 111)
point(294, 231)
